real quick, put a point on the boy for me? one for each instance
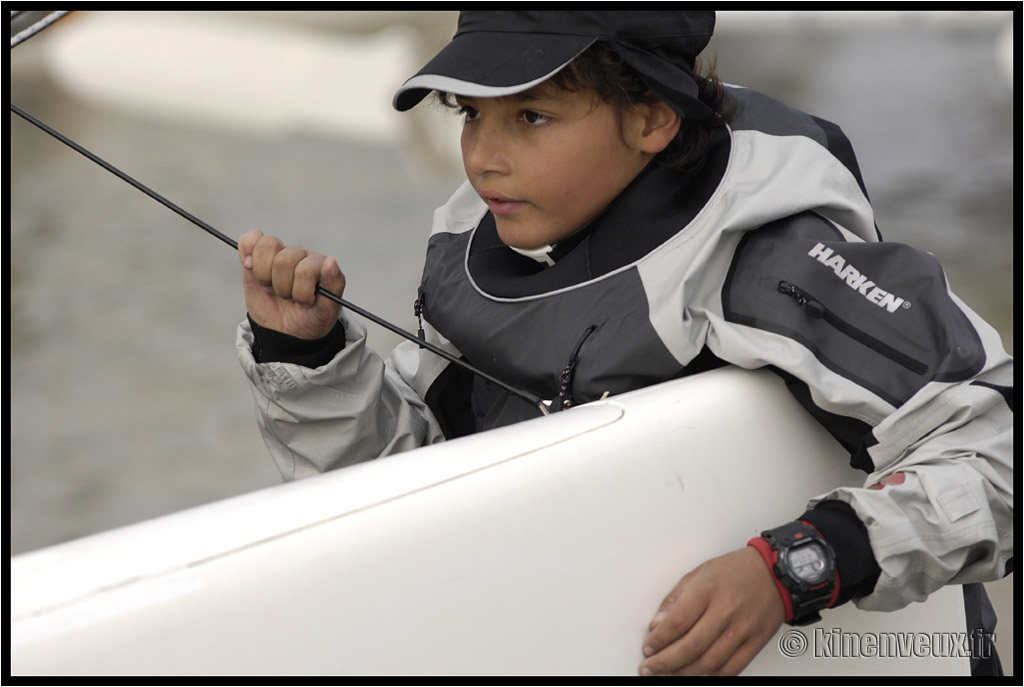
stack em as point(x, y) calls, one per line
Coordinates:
point(626, 221)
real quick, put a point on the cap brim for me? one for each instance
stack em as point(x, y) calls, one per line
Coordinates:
point(491, 64)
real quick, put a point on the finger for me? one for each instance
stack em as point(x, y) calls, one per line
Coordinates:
point(740, 659)
point(332, 278)
point(283, 270)
point(263, 253)
point(246, 242)
point(739, 642)
point(715, 656)
point(306, 278)
point(676, 621)
point(670, 600)
point(712, 660)
point(686, 653)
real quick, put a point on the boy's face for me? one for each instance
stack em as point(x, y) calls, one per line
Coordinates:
point(546, 161)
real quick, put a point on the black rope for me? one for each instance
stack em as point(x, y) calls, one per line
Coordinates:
point(531, 398)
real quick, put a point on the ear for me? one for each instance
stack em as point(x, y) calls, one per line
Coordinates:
point(655, 127)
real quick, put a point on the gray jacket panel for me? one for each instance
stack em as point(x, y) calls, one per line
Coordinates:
point(927, 386)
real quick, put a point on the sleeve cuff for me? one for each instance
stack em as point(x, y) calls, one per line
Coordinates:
point(270, 346)
point(855, 561)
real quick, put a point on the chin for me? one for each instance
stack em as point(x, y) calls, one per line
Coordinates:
point(514, 237)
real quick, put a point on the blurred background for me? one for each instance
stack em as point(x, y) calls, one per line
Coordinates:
point(127, 401)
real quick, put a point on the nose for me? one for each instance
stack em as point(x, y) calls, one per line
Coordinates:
point(484, 148)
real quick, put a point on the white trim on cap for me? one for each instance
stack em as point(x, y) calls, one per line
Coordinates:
point(447, 84)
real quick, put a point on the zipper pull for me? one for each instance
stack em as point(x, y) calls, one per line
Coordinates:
point(417, 309)
point(813, 307)
point(564, 399)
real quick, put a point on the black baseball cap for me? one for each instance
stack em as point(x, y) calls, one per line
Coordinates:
point(500, 53)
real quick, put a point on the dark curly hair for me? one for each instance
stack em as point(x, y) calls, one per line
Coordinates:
point(600, 69)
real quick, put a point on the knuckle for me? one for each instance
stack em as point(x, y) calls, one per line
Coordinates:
point(284, 261)
point(675, 623)
point(307, 269)
point(264, 251)
point(269, 244)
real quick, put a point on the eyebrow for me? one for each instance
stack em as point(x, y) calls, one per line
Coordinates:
point(523, 97)
point(533, 95)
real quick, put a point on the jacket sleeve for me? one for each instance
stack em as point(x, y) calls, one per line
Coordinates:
point(354, 408)
point(904, 375)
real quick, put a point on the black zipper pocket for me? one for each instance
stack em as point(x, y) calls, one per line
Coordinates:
point(815, 309)
point(564, 400)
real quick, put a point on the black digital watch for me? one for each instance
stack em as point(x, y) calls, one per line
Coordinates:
point(805, 566)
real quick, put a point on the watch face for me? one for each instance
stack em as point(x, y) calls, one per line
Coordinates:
point(808, 562)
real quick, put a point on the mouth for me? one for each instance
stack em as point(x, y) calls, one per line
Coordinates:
point(500, 204)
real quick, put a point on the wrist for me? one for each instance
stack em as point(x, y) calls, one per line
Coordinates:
point(270, 345)
point(802, 565)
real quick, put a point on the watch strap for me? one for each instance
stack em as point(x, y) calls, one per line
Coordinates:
point(801, 606)
point(771, 557)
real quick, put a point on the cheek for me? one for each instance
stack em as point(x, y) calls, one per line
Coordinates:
point(559, 186)
point(465, 145)
point(599, 153)
point(590, 170)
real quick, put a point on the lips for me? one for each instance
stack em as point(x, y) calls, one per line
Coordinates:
point(500, 204)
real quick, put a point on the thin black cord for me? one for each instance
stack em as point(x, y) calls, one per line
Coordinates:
point(531, 398)
point(115, 171)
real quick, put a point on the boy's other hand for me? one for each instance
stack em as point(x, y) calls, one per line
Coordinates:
point(280, 285)
point(717, 618)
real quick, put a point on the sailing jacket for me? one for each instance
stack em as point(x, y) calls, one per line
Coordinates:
point(769, 258)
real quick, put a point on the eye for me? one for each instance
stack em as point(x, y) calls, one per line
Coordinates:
point(468, 113)
point(534, 118)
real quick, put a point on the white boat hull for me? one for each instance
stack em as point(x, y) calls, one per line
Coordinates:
point(543, 548)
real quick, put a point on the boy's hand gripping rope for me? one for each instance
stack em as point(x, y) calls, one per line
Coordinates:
point(50, 19)
point(527, 396)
